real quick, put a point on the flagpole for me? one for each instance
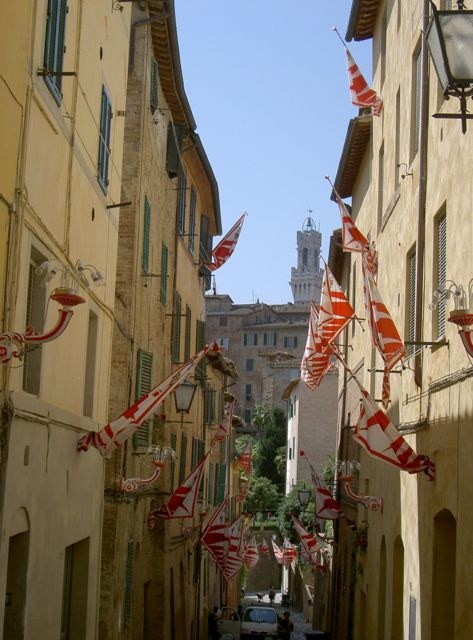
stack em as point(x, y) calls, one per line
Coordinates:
point(338, 34)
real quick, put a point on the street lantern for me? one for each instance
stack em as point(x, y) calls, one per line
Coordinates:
point(450, 41)
point(304, 496)
point(183, 396)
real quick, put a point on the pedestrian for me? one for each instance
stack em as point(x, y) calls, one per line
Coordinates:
point(285, 626)
point(271, 594)
point(214, 617)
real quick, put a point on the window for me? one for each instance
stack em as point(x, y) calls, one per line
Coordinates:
point(250, 339)
point(153, 97)
point(146, 228)
point(294, 374)
point(205, 251)
point(304, 257)
point(74, 591)
point(54, 46)
point(223, 342)
point(380, 185)
point(223, 321)
point(198, 450)
point(248, 396)
point(144, 369)
point(398, 139)
point(249, 364)
point(192, 209)
point(209, 405)
point(440, 270)
point(164, 274)
point(222, 478)
point(290, 341)
point(176, 328)
point(89, 382)
point(128, 583)
point(181, 202)
point(416, 94)
point(199, 344)
point(182, 458)
point(104, 140)
point(269, 339)
point(173, 149)
point(248, 416)
point(35, 312)
point(187, 337)
point(411, 300)
point(17, 580)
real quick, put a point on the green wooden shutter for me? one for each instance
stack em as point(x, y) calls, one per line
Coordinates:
point(199, 344)
point(104, 140)
point(187, 338)
point(181, 202)
point(176, 333)
point(182, 460)
point(411, 299)
point(144, 366)
point(417, 96)
point(441, 271)
point(146, 228)
point(210, 493)
point(163, 288)
point(192, 211)
point(222, 481)
point(154, 85)
point(128, 583)
point(54, 45)
point(173, 149)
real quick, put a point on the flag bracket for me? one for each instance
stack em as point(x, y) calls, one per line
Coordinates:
point(435, 343)
point(382, 370)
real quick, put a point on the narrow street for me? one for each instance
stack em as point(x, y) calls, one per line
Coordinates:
point(301, 625)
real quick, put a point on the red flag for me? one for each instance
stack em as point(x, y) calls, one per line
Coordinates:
point(233, 560)
point(182, 502)
point(245, 459)
point(310, 546)
point(316, 358)
point(278, 553)
point(384, 333)
point(361, 94)
point(251, 555)
point(226, 246)
point(380, 439)
point(116, 432)
point(289, 553)
point(265, 547)
point(225, 426)
point(215, 534)
point(335, 310)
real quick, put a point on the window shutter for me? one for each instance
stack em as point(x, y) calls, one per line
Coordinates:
point(54, 45)
point(128, 583)
point(173, 149)
point(187, 337)
point(192, 210)
point(182, 461)
point(199, 344)
point(441, 271)
point(417, 93)
point(210, 494)
point(181, 202)
point(164, 274)
point(154, 85)
point(144, 366)
point(146, 228)
point(245, 340)
point(411, 299)
point(104, 140)
point(221, 483)
point(176, 334)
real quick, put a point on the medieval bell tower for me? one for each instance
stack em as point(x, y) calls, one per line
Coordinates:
point(306, 278)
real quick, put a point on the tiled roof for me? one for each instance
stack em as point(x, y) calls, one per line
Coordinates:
point(356, 143)
point(362, 19)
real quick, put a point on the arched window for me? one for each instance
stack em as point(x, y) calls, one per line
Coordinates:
point(305, 255)
point(443, 576)
point(398, 591)
point(382, 590)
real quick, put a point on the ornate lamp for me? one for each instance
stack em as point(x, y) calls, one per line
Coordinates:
point(462, 315)
point(450, 41)
point(347, 469)
point(304, 496)
point(159, 455)
point(183, 396)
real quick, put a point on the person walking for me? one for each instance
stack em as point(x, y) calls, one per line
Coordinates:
point(285, 626)
point(271, 594)
point(214, 633)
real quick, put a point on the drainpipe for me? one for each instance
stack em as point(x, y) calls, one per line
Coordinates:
point(420, 246)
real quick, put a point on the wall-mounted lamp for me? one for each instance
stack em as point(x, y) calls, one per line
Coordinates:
point(462, 315)
point(183, 396)
point(304, 496)
point(159, 455)
point(405, 171)
point(450, 41)
point(347, 469)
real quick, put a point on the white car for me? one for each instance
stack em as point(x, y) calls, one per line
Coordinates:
point(259, 622)
point(229, 624)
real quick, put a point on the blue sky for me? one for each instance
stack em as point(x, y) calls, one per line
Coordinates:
point(267, 84)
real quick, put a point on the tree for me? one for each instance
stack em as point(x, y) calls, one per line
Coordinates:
point(262, 496)
point(270, 462)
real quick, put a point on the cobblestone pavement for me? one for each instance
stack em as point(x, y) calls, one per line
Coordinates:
point(300, 621)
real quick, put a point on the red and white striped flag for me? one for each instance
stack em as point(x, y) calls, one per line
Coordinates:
point(316, 358)
point(361, 94)
point(380, 439)
point(116, 432)
point(233, 560)
point(225, 426)
point(226, 246)
point(289, 553)
point(335, 310)
point(264, 547)
point(215, 534)
point(251, 555)
point(384, 333)
point(278, 552)
point(245, 459)
point(182, 502)
point(310, 546)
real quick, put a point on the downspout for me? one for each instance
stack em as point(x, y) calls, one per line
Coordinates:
point(420, 246)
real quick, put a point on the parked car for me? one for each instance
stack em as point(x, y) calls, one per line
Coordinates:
point(229, 624)
point(259, 622)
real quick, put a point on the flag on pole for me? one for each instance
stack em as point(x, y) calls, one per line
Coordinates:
point(233, 560)
point(316, 358)
point(311, 547)
point(264, 547)
point(182, 502)
point(384, 333)
point(225, 426)
point(251, 555)
point(361, 94)
point(215, 535)
point(278, 552)
point(116, 432)
point(226, 246)
point(335, 310)
point(289, 553)
point(380, 439)
point(245, 459)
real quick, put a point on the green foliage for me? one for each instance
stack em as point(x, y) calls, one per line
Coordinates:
point(262, 496)
point(272, 441)
point(290, 504)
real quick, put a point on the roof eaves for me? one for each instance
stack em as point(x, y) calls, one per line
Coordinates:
point(362, 20)
point(356, 143)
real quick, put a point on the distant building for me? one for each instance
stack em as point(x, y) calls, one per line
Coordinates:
point(306, 278)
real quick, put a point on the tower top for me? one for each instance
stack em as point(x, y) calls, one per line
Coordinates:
point(309, 225)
